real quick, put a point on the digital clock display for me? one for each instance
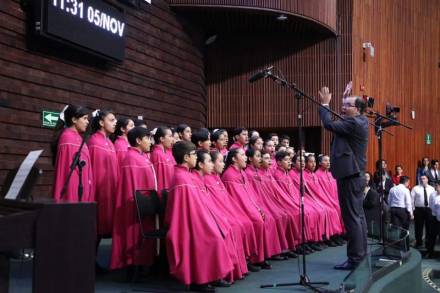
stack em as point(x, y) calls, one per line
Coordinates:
point(91, 24)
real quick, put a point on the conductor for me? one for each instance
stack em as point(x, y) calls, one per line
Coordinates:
point(348, 156)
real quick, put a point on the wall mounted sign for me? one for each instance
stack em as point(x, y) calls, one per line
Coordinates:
point(92, 25)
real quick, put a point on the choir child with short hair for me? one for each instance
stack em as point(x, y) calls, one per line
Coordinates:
point(197, 252)
point(136, 173)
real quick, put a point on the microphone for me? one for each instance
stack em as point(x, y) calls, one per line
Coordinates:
point(261, 74)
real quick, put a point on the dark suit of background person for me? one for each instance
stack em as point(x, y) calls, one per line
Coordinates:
point(433, 173)
point(348, 156)
point(372, 210)
point(388, 185)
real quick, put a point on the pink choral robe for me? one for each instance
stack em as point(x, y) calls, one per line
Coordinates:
point(237, 145)
point(265, 229)
point(68, 146)
point(237, 218)
point(121, 147)
point(285, 201)
point(329, 185)
point(231, 233)
point(319, 194)
point(106, 173)
point(128, 247)
point(314, 224)
point(196, 249)
point(163, 162)
point(271, 208)
point(309, 200)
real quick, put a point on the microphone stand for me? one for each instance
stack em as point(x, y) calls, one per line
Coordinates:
point(304, 280)
point(77, 163)
point(380, 126)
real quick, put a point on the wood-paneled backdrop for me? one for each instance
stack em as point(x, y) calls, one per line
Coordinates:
point(162, 79)
point(405, 71)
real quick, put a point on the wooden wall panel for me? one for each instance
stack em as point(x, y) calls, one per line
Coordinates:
point(322, 11)
point(309, 59)
point(162, 79)
point(404, 71)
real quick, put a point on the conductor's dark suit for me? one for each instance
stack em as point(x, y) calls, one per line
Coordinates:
point(348, 158)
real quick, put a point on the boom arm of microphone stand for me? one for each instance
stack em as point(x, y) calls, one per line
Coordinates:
point(393, 121)
point(293, 86)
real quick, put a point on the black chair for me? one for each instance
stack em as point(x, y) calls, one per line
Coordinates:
point(148, 204)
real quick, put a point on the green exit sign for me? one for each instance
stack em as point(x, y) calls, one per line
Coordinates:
point(49, 118)
point(428, 138)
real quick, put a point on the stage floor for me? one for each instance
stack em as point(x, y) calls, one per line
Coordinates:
point(319, 268)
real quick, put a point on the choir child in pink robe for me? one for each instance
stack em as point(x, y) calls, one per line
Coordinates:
point(162, 157)
point(232, 236)
point(322, 197)
point(123, 126)
point(201, 138)
point(282, 200)
point(312, 218)
point(256, 143)
point(71, 127)
point(323, 227)
point(219, 140)
point(196, 247)
point(136, 173)
point(328, 184)
point(241, 138)
point(272, 210)
point(243, 194)
point(184, 132)
point(105, 169)
point(269, 147)
point(236, 216)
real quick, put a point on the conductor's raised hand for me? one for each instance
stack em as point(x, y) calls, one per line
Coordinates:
point(325, 95)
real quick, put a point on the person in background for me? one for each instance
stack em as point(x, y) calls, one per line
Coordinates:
point(422, 168)
point(420, 198)
point(274, 137)
point(219, 140)
point(401, 208)
point(256, 143)
point(434, 204)
point(285, 140)
point(371, 206)
point(123, 126)
point(184, 132)
point(381, 164)
point(241, 138)
point(162, 157)
point(433, 173)
point(385, 185)
point(396, 176)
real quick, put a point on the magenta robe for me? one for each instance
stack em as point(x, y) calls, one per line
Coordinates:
point(309, 200)
point(121, 148)
point(328, 184)
point(163, 162)
point(235, 215)
point(237, 145)
point(285, 202)
point(232, 234)
point(128, 247)
point(106, 173)
point(271, 208)
point(196, 249)
point(265, 229)
point(68, 146)
point(314, 223)
point(315, 189)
